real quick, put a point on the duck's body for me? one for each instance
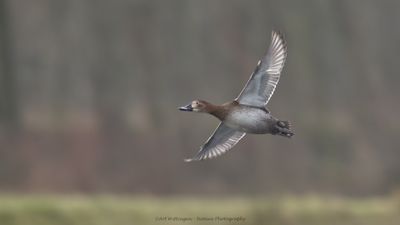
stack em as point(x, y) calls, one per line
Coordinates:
point(248, 112)
point(250, 119)
point(244, 118)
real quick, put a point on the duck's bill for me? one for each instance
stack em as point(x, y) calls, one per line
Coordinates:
point(186, 108)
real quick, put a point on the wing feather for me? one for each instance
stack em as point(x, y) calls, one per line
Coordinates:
point(222, 140)
point(262, 83)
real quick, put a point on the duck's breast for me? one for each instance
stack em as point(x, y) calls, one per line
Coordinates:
point(249, 120)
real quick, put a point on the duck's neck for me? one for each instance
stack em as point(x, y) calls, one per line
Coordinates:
point(217, 111)
point(221, 111)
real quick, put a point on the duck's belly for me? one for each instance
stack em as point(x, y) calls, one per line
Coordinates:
point(249, 120)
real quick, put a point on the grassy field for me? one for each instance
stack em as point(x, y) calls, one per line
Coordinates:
point(128, 210)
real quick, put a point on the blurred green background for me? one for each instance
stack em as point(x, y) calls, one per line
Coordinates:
point(90, 132)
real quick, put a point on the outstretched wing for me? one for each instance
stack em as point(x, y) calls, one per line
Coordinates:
point(262, 83)
point(223, 139)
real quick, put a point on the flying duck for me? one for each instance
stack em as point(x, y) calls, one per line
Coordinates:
point(248, 112)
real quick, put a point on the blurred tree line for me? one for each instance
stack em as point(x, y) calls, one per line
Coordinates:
point(89, 91)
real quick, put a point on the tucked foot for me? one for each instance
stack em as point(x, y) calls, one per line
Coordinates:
point(283, 128)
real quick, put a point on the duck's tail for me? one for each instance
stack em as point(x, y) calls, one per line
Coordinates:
point(283, 128)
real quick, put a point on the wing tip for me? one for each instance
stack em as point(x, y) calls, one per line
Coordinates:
point(278, 34)
point(188, 160)
point(195, 158)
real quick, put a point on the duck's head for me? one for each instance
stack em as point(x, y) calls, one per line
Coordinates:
point(196, 106)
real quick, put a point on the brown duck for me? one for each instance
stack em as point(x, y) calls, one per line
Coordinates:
point(248, 112)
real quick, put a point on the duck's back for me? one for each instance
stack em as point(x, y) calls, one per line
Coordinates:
point(250, 119)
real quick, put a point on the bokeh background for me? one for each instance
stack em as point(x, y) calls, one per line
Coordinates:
point(89, 92)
